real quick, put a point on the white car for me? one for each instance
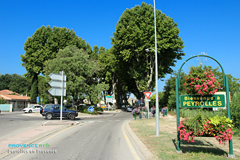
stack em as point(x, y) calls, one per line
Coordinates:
point(32, 108)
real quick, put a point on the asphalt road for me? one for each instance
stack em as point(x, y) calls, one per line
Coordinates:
point(97, 139)
point(16, 122)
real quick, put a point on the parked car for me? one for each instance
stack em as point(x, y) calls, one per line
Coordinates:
point(32, 108)
point(129, 109)
point(53, 110)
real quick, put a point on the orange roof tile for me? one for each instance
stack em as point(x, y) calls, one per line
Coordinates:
point(14, 97)
point(7, 92)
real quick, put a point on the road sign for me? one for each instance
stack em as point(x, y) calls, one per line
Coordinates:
point(58, 81)
point(148, 94)
point(90, 109)
point(197, 101)
point(109, 99)
point(58, 77)
point(57, 91)
point(37, 99)
point(57, 84)
point(148, 100)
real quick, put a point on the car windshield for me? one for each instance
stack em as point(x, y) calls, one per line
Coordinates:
point(30, 106)
point(58, 107)
point(48, 106)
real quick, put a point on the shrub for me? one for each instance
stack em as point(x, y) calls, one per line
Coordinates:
point(235, 110)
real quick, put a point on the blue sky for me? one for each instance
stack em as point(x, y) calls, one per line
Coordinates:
point(210, 26)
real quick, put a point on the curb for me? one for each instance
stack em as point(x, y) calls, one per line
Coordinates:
point(143, 149)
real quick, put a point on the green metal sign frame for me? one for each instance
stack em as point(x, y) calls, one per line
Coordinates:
point(225, 81)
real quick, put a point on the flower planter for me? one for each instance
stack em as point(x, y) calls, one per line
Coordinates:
point(218, 127)
point(201, 82)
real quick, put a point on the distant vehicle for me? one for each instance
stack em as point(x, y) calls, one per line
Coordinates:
point(129, 109)
point(32, 108)
point(53, 110)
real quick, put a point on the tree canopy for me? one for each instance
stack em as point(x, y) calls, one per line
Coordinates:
point(135, 33)
point(80, 69)
point(15, 83)
point(44, 44)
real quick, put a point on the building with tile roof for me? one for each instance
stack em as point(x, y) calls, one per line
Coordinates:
point(17, 101)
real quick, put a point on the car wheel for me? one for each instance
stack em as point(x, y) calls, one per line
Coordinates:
point(49, 116)
point(30, 111)
point(71, 116)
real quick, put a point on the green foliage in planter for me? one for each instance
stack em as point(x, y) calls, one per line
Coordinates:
point(195, 123)
point(218, 127)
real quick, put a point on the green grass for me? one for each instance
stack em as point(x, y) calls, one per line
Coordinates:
point(164, 146)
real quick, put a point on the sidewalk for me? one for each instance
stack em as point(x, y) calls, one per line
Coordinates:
point(32, 135)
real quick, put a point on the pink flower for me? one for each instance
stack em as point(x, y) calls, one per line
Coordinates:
point(222, 126)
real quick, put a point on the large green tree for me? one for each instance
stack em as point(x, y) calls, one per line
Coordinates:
point(80, 69)
point(135, 33)
point(44, 44)
point(43, 88)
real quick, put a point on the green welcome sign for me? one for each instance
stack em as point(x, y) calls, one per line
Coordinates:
point(197, 101)
point(207, 101)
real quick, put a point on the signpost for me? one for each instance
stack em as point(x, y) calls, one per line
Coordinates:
point(90, 109)
point(109, 99)
point(58, 84)
point(147, 94)
point(37, 99)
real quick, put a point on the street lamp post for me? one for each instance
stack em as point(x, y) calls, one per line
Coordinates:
point(98, 84)
point(156, 72)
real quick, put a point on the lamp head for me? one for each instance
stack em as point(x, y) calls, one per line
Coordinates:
point(147, 50)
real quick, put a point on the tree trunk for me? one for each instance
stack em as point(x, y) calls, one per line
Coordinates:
point(34, 88)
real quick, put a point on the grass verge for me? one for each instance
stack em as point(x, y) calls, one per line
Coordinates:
point(164, 146)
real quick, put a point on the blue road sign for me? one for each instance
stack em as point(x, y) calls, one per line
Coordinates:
point(90, 109)
point(37, 99)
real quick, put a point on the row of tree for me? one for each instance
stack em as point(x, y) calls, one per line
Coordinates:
point(125, 67)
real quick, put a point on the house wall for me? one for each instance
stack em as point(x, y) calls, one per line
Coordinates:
point(18, 105)
point(6, 107)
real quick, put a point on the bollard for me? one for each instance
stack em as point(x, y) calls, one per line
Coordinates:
point(141, 113)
